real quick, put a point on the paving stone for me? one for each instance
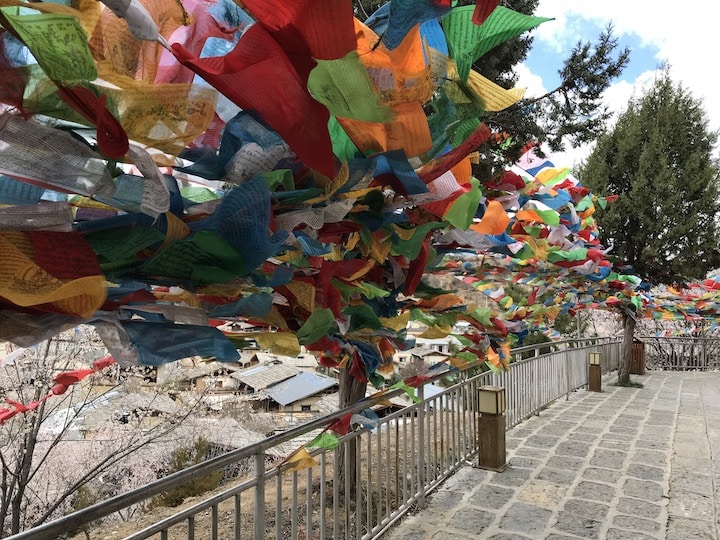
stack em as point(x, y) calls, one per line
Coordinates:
point(490, 496)
point(643, 489)
point(617, 436)
point(525, 518)
point(511, 477)
point(473, 522)
point(617, 534)
point(509, 536)
point(559, 427)
point(565, 462)
point(689, 529)
point(520, 432)
point(542, 441)
point(578, 525)
point(607, 444)
point(604, 475)
point(525, 462)
point(561, 477)
point(691, 505)
point(466, 479)
point(445, 535)
point(532, 452)
point(542, 493)
point(589, 509)
point(594, 491)
point(691, 482)
point(653, 445)
point(646, 472)
point(608, 459)
point(584, 437)
point(446, 499)
point(572, 448)
point(650, 457)
point(636, 507)
point(636, 524)
point(627, 432)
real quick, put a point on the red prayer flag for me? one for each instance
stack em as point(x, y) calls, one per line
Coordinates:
point(444, 163)
point(323, 28)
point(103, 362)
point(71, 377)
point(483, 9)
point(111, 137)
point(341, 426)
point(416, 380)
point(64, 255)
point(258, 76)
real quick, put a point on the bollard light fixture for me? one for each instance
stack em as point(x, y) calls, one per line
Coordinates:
point(491, 399)
point(594, 358)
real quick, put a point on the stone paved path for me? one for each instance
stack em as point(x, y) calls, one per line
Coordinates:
point(621, 464)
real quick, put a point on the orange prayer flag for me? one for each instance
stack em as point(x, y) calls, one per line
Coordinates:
point(528, 215)
point(462, 171)
point(408, 131)
point(495, 220)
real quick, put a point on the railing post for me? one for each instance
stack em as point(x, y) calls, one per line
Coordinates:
point(422, 461)
point(259, 507)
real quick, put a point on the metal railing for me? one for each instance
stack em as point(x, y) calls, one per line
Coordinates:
point(681, 353)
point(377, 473)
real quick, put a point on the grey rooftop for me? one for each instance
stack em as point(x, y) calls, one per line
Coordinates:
point(621, 464)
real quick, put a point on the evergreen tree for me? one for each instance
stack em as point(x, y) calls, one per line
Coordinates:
point(659, 159)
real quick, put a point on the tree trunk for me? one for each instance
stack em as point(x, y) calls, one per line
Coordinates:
point(351, 391)
point(628, 320)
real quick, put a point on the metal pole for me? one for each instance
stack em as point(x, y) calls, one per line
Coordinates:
point(422, 462)
point(259, 507)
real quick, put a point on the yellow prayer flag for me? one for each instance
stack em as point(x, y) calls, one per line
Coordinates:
point(300, 460)
point(282, 343)
point(396, 323)
point(304, 294)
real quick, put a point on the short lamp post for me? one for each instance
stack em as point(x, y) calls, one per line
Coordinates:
point(594, 372)
point(491, 428)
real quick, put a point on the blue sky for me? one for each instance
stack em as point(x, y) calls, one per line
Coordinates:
point(654, 30)
point(544, 59)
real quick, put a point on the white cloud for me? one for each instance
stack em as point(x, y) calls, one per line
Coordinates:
point(533, 84)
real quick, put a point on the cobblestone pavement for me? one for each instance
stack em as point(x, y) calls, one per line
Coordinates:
point(621, 464)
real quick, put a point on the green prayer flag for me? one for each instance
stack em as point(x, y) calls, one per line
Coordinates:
point(204, 258)
point(362, 317)
point(411, 248)
point(198, 194)
point(468, 41)
point(342, 145)
point(344, 87)
point(549, 217)
point(281, 177)
point(316, 326)
point(119, 244)
point(326, 440)
point(409, 390)
point(463, 210)
point(58, 43)
point(578, 254)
